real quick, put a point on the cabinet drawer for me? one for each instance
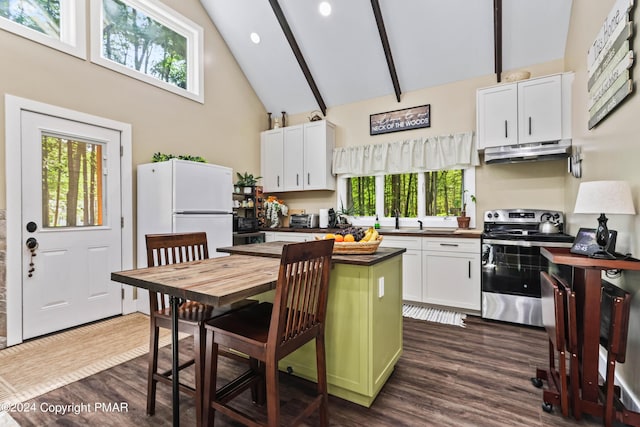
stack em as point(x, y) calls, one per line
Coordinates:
point(451, 245)
point(401, 242)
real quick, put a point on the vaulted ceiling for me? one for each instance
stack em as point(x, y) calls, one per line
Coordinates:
point(431, 42)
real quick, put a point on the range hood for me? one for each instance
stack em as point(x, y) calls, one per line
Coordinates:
point(537, 151)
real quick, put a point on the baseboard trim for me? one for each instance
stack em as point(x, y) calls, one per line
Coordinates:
point(629, 399)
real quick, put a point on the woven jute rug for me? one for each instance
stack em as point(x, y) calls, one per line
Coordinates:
point(36, 367)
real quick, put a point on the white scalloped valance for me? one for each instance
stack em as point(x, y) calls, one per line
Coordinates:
point(457, 151)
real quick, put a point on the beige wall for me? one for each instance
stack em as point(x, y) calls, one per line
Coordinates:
point(611, 151)
point(223, 130)
point(528, 185)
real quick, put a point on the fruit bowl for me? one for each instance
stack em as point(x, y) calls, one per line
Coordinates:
point(356, 248)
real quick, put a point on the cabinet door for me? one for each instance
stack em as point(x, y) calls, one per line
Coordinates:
point(293, 158)
point(319, 141)
point(271, 155)
point(286, 236)
point(497, 116)
point(540, 109)
point(452, 279)
point(411, 265)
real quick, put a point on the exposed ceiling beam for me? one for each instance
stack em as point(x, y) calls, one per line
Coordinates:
point(385, 45)
point(497, 37)
point(298, 54)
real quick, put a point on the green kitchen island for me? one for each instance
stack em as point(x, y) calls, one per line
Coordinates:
point(363, 332)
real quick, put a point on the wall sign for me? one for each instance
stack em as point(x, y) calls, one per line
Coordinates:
point(399, 120)
point(609, 62)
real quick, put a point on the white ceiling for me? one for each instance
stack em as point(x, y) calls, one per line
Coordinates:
point(433, 42)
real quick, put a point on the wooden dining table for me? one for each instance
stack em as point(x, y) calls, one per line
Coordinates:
point(215, 282)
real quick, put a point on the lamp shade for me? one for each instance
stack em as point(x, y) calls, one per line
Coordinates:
point(609, 197)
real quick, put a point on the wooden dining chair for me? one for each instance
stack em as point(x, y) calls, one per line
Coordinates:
point(174, 248)
point(554, 319)
point(268, 332)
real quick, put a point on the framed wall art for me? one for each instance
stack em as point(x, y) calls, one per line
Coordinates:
point(399, 120)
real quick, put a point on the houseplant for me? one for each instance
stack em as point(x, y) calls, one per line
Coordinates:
point(247, 180)
point(463, 219)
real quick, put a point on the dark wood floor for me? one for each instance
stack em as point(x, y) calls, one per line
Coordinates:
point(448, 376)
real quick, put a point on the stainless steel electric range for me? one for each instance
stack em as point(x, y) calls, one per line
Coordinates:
point(511, 262)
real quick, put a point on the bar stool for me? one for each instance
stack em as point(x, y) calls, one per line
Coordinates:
point(268, 332)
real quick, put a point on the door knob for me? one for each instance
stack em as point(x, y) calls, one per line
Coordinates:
point(32, 243)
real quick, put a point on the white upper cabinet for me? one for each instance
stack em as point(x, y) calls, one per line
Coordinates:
point(272, 160)
point(535, 110)
point(497, 116)
point(540, 110)
point(293, 158)
point(319, 142)
point(298, 157)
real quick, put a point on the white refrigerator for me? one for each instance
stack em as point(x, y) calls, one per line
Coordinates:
point(182, 196)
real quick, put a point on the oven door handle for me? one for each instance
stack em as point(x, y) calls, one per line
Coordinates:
point(527, 243)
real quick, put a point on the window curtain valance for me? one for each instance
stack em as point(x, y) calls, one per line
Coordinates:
point(456, 151)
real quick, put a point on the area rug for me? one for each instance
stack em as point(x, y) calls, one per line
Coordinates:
point(431, 314)
point(36, 367)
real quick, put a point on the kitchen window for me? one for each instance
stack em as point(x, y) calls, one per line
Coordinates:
point(59, 24)
point(433, 197)
point(424, 178)
point(149, 41)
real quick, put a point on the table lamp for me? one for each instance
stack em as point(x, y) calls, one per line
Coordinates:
point(604, 197)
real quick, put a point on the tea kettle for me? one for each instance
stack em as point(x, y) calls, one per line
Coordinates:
point(551, 225)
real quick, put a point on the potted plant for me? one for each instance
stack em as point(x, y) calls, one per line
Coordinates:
point(463, 219)
point(248, 181)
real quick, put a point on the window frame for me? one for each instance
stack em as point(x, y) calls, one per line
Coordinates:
point(469, 176)
point(170, 19)
point(73, 37)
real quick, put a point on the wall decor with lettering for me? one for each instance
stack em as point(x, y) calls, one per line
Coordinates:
point(609, 63)
point(399, 120)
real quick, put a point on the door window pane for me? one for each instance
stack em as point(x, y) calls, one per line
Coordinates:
point(72, 187)
point(39, 15)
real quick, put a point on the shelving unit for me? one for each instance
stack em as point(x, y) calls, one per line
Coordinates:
point(248, 215)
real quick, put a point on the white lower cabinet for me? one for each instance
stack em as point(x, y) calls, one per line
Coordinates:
point(442, 271)
point(411, 265)
point(285, 236)
point(451, 272)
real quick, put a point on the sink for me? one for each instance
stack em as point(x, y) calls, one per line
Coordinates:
point(402, 230)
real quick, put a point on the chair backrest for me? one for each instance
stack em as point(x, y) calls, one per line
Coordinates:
point(553, 310)
point(173, 248)
point(571, 321)
point(615, 307)
point(302, 290)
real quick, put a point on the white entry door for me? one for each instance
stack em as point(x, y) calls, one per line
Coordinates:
point(71, 232)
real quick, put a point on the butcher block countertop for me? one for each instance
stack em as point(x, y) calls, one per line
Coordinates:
point(274, 250)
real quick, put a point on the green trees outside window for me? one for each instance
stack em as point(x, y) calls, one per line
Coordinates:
point(443, 194)
point(135, 40)
point(71, 183)
point(39, 15)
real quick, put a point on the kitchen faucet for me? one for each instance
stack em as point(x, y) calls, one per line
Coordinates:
point(397, 219)
point(420, 223)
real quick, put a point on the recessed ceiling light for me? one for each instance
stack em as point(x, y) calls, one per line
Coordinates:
point(255, 37)
point(324, 8)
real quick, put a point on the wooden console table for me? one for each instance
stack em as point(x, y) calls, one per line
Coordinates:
point(587, 282)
